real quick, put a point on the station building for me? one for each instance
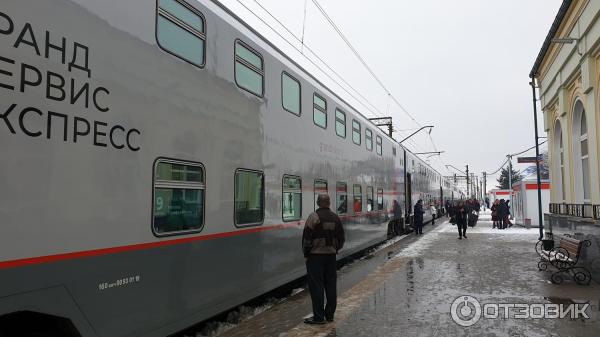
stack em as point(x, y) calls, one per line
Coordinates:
point(567, 73)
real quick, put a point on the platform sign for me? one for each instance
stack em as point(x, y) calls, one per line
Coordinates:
point(522, 160)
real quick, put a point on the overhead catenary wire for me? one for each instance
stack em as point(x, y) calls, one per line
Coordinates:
point(531, 148)
point(362, 60)
point(377, 112)
point(366, 103)
point(512, 155)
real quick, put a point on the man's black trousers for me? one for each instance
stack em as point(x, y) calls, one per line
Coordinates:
point(462, 229)
point(321, 270)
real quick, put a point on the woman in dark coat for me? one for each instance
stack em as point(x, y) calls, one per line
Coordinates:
point(460, 214)
point(494, 209)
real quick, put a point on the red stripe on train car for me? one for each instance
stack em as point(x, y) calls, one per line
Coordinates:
point(134, 247)
point(149, 245)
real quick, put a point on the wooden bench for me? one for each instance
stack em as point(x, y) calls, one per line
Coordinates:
point(565, 259)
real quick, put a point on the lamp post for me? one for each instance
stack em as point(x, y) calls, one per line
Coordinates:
point(412, 134)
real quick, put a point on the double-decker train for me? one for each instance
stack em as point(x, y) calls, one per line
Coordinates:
point(159, 161)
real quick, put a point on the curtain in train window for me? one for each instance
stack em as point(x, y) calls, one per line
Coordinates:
point(380, 199)
point(357, 194)
point(178, 205)
point(249, 69)
point(290, 93)
point(370, 200)
point(356, 132)
point(319, 111)
point(320, 188)
point(340, 123)
point(341, 191)
point(249, 197)
point(369, 139)
point(378, 145)
point(180, 31)
point(292, 198)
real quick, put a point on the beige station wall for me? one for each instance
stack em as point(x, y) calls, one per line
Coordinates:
point(568, 74)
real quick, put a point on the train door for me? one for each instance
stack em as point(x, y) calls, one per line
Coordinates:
point(441, 206)
point(408, 197)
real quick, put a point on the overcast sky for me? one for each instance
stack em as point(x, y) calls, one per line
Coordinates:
point(460, 65)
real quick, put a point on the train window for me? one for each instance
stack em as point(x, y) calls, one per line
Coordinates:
point(178, 202)
point(370, 198)
point(378, 145)
point(320, 111)
point(369, 139)
point(394, 151)
point(292, 198)
point(320, 188)
point(341, 190)
point(180, 31)
point(355, 132)
point(249, 69)
point(249, 197)
point(357, 194)
point(290, 93)
point(340, 123)
point(380, 199)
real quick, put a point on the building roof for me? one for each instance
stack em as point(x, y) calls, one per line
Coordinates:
point(555, 25)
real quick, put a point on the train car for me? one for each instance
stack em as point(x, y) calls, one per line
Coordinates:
point(160, 158)
point(423, 183)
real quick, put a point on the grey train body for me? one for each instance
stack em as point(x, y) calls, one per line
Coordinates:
point(77, 207)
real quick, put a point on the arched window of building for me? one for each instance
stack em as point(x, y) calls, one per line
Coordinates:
point(559, 166)
point(580, 154)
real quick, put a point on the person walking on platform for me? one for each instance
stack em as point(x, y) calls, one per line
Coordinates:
point(447, 208)
point(419, 217)
point(323, 237)
point(460, 214)
point(433, 213)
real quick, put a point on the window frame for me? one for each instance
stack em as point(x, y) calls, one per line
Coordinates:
point(372, 199)
point(247, 64)
point(379, 145)
point(380, 193)
point(324, 111)
point(181, 24)
point(354, 198)
point(369, 139)
point(253, 224)
point(177, 184)
point(315, 190)
point(337, 193)
point(285, 73)
point(283, 191)
point(359, 132)
point(339, 120)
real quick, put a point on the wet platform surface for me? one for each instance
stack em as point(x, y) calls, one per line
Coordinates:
point(407, 289)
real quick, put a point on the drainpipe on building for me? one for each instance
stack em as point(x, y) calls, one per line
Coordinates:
point(537, 161)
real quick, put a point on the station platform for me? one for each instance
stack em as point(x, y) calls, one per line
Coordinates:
point(408, 286)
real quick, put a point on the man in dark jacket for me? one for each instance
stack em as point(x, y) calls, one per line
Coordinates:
point(419, 217)
point(460, 213)
point(502, 213)
point(323, 237)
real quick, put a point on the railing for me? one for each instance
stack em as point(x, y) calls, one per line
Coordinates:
point(576, 210)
